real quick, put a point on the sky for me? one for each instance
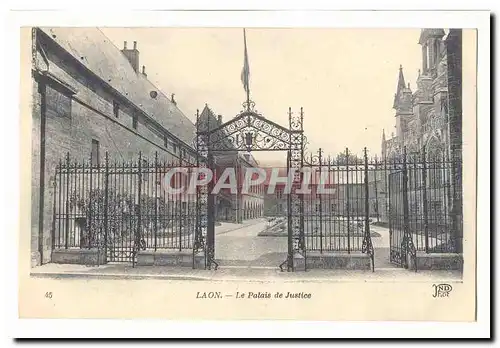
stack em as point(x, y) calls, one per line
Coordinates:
point(345, 79)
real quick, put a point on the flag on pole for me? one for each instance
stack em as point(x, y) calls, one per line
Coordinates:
point(245, 72)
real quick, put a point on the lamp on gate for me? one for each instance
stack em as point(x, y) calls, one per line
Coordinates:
point(248, 138)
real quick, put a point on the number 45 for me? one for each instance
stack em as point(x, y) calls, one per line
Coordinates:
point(48, 294)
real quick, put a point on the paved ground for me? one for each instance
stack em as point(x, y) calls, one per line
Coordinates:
point(242, 254)
point(228, 273)
point(381, 245)
point(226, 227)
point(243, 247)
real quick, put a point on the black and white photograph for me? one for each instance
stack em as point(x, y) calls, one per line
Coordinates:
point(249, 172)
point(127, 179)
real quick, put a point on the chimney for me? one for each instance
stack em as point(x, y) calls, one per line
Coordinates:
point(144, 71)
point(219, 119)
point(132, 55)
point(172, 99)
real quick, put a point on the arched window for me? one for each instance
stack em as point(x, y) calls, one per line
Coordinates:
point(437, 49)
point(429, 60)
point(434, 159)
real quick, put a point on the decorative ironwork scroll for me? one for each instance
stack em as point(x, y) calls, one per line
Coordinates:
point(296, 205)
point(407, 246)
point(367, 246)
point(201, 196)
point(249, 131)
point(210, 232)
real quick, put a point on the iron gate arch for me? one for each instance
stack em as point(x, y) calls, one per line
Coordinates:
point(250, 131)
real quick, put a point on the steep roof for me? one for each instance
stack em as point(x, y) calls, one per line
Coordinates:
point(208, 117)
point(400, 87)
point(91, 48)
point(208, 120)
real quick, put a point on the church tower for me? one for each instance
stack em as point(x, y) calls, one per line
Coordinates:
point(432, 49)
point(432, 45)
point(403, 105)
point(431, 82)
point(384, 145)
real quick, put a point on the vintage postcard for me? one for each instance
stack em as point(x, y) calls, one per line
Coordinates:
point(249, 172)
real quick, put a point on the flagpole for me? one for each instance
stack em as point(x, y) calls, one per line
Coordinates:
point(248, 95)
point(246, 62)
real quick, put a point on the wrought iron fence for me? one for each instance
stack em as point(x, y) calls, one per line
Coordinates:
point(358, 192)
point(123, 207)
point(336, 209)
point(429, 201)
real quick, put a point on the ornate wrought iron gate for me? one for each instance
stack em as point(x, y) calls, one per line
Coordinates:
point(400, 236)
point(419, 206)
point(249, 131)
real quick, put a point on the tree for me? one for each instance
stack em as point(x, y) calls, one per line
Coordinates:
point(92, 207)
point(341, 158)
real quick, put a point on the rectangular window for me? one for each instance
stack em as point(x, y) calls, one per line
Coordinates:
point(134, 121)
point(174, 147)
point(165, 142)
point(116, 109)
point(95, 152)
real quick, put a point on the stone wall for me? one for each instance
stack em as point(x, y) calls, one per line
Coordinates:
point(454, 54)
point(71, 107)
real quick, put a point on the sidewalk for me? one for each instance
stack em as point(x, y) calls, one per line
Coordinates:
point(226, 227)
point(263, 274)
point(268, 273)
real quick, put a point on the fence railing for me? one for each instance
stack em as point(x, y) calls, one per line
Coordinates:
point(429, 202)
point(336, 211)
point(122, 206)
point(337, 220)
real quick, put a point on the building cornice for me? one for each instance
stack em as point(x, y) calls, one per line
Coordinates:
point(92, 75)
point(50, 78)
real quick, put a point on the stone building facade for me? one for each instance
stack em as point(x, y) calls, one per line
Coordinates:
point(428, 123)
point(421, 116)
point(337, 196)
point(252, 201)
point(233, 207)
point(89, 98)
point(422, 126)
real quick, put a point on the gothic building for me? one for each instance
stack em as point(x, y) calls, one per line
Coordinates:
point(428, 122)
point(422, 115)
